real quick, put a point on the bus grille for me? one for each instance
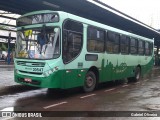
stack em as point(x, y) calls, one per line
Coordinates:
point(31, 64)
point(35, 73)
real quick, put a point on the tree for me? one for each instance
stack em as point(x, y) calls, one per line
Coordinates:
point(4, 26)
point(3, 48)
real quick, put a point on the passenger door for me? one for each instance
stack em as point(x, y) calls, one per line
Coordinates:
point(72, 45)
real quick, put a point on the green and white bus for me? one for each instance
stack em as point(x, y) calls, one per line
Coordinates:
point(55, 49)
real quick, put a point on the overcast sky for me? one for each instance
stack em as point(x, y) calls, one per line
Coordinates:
point(147, 11)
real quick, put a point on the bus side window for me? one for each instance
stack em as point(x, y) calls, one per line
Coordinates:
point(112, 43)
point(72, 40)
point(109, 44)
point(141, 47)
point(133, 46)
point(124, 42)
point(151, 48)
point(147, 50)
point(95, 39)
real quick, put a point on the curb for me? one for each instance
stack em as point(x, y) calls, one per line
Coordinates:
point(6, 66)
point(15, 89)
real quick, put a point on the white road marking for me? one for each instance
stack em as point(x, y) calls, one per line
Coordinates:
point(146, 79)
point(87, 95)
point(125, 85)
point(137, 83)
point(109, 90)
point(54, 105)
point(8, 118)
point(155, 68)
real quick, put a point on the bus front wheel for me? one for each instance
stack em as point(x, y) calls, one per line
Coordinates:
point(90, 82)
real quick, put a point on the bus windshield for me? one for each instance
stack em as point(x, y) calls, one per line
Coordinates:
point(38, 43)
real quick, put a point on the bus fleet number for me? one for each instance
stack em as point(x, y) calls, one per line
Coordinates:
point(38, 69)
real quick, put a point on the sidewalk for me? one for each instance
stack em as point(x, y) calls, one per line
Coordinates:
point(6, 67)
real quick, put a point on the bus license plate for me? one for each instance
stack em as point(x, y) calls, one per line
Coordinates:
point(27, 80)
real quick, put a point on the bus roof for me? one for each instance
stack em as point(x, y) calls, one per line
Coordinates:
point(89, 22)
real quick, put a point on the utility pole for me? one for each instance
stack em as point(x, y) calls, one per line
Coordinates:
point(9, 41)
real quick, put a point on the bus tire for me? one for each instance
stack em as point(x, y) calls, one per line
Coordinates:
point(52, 91)
point(137, 76)
point(90, 82)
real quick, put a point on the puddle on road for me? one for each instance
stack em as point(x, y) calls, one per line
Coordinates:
point(155, 89)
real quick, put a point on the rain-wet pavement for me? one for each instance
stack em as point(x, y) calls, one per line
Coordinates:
point(7, 84)
point(133, 97)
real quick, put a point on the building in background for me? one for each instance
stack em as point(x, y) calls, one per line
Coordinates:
point(7, 27)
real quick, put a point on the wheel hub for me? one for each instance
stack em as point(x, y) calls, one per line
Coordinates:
point(89, 81)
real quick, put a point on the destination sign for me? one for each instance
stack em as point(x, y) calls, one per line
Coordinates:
point(37, 19)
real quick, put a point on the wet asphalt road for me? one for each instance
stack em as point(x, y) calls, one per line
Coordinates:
point(112, 96)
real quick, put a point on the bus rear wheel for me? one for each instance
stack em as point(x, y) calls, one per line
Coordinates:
point(90, 82)
point(137, 74)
